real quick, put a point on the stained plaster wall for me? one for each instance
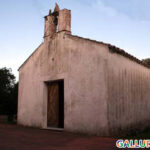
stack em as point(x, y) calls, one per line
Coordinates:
point(103, 92)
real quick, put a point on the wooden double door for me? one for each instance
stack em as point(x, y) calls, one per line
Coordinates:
point(55, 105)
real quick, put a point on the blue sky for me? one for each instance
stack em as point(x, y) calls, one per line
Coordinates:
point(124, 23)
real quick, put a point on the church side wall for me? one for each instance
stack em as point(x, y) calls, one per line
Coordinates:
point(128, 94)
point(113, 95)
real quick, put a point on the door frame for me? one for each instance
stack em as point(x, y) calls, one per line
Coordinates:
point(62, 98)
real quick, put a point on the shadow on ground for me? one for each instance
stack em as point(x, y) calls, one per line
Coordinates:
point(13, 137)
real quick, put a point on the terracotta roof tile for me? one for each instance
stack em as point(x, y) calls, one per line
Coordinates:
point(117, 50)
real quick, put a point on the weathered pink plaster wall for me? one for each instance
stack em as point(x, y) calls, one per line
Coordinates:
point(128, 102)
point(77, 62)
point(104, 92)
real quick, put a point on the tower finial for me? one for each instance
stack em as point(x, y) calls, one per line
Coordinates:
point(50, 11)
point(56, 8)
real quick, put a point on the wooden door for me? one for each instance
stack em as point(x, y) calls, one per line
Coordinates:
point(53, 105)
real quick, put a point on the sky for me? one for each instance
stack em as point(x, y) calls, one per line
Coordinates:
point(123, 23)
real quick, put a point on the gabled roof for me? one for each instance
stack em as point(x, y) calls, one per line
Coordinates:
point(112, 49)
point(115, 49)
point(30, 56)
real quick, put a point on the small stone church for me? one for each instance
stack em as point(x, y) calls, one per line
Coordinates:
point(80, 85)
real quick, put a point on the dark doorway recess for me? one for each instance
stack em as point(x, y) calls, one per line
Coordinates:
point(55, 105)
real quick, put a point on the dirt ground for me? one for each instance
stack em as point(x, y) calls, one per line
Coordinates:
point(14, 137)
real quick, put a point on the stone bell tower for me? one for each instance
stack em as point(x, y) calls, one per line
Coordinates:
point(57, 21)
